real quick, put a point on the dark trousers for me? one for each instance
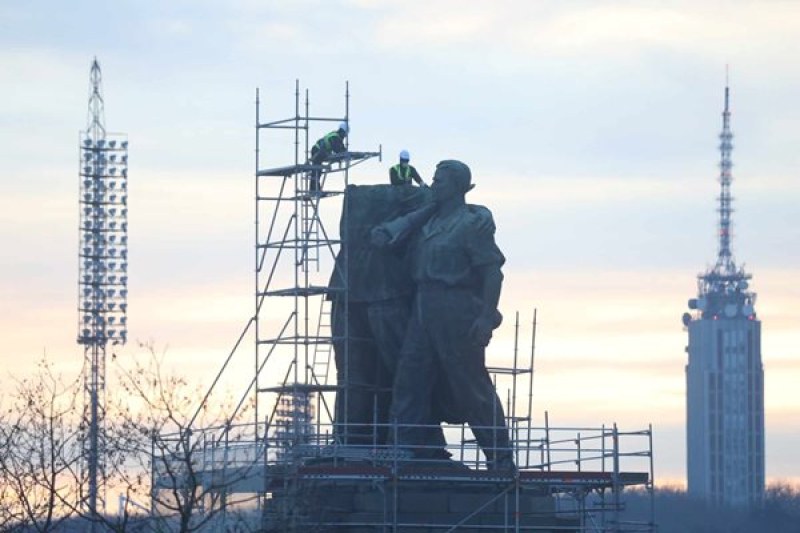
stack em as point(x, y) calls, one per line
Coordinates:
point(438, 353)
point(317, 158)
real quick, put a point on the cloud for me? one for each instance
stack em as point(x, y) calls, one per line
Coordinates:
point(556, 193)
point(437, 23)
point(32, 97)
point(177, 27)
point(588, 29)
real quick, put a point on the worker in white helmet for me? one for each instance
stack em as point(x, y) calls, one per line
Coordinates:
point(324, 148)
point(402, 173)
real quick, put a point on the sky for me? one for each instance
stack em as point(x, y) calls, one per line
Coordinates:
point(590, 127)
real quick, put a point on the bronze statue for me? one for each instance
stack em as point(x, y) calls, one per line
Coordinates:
point(370, 323)
point(455, 266)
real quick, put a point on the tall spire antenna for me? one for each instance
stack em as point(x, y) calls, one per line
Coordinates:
point(96, 118)
point(725, 283)
point(103, 275)
point(725, 263)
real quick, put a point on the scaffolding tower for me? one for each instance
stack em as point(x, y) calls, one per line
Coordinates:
point(295, 250)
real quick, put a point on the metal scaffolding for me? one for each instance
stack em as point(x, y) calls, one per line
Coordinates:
point(306, 479)
point(296, 247)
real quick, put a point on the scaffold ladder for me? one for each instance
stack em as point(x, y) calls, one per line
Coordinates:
point(310, 228)
point(320, 365)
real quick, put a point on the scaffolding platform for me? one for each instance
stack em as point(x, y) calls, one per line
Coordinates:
point(409, 471)
point(254, 478)
point(423, 502)
point(353, 156)
point(292, 340)
point(304, 388)
point(290, 170)
point(304, 196)
point(569, 479)
point(314, 290)
point(301, 168)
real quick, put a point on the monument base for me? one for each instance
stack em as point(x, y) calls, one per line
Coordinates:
point(430, 503)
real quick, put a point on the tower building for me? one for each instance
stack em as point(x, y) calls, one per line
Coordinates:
point(724, 375)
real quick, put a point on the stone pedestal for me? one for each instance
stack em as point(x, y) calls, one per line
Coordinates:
point(412, 506)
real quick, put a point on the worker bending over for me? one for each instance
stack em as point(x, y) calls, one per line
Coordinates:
point(402, 173)
point(323, 149)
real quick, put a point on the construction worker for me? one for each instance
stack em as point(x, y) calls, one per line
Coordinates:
point(402, 173)
point(324, 148)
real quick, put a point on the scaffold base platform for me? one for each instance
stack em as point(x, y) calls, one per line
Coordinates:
point(418, 506)
point(358, 498)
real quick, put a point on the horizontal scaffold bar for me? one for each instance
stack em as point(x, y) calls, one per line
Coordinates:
point(507, 370)
point(289, 170)
point(307, 197)
point(300, 387)
point(312, 290)
point(300, 244)
point(352, 156)
point(285, 123)
point(309, 340)
point(411, 472)
point(301, 168)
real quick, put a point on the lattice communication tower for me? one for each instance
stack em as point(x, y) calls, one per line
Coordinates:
point(724, 289)
point(103, 270)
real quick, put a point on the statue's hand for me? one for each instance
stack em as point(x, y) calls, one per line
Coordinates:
point(379, 237)
point(481, 331)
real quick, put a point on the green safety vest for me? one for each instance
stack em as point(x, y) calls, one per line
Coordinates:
point(403, 177)
point(325, 142)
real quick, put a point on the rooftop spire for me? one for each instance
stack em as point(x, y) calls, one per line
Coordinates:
point(96, 119)
point(723, 291)
point(725, 264)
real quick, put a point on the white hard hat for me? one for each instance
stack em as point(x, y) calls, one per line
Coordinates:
point(344, 126)
point(405, 155)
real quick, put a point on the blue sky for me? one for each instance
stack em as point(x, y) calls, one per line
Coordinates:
point(590, 128)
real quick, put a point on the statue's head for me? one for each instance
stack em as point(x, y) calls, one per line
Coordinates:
point(452, 178)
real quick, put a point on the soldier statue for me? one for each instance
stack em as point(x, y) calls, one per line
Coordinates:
point(455, 265)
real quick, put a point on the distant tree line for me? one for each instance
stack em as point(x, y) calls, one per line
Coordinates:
point(677, 512)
